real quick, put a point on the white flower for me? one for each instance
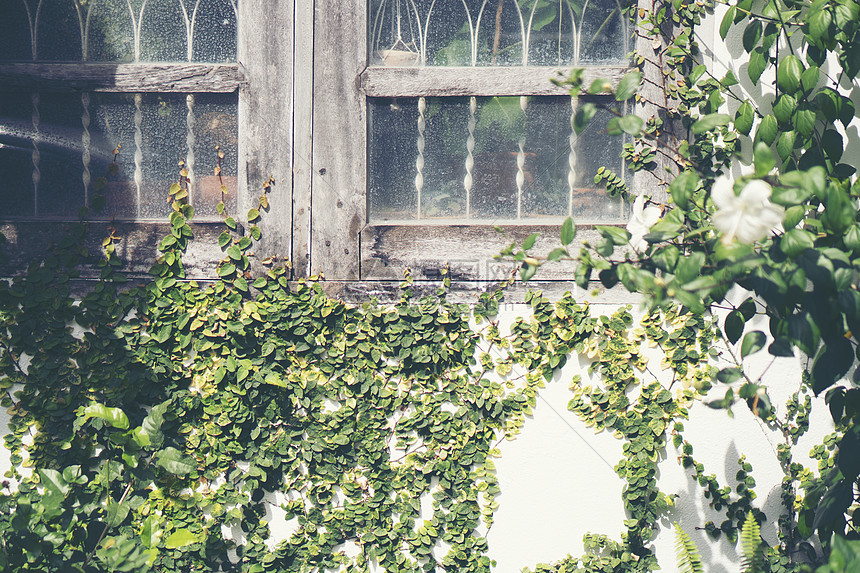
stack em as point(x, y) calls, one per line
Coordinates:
point(747, 217)
point(640, 223)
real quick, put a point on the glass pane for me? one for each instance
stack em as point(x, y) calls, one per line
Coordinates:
point(497, 32)
point(58, 34)
point(54, 149)
point(15, 34)
point(498, 158)
point(118, 30)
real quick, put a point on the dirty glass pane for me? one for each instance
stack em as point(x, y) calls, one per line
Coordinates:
point(56, 152)
point(118, 30)
point(497, 32)
point(486, 159)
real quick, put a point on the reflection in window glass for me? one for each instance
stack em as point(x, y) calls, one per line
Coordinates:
point(54, 148)
point(497, 32)
point(490, 158)
point(118, 30)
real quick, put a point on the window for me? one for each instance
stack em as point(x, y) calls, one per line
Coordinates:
point(96, 83)
point(454, 127)
point(397, 132)
point(156, 80)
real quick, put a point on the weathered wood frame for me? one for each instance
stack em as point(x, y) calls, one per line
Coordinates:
point(344, 246)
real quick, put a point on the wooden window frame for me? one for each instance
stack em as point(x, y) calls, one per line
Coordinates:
point(344, 245)
point(265, 130)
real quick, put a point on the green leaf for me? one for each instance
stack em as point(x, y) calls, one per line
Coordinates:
point(630, 124)
point(568, 231)
point(696, 73)
point(763, 159)
point(847, 460)
point(734, 326)
point(784, 108)
point(56, 489)
point(709, 122)
point(275, 380)
point(767, 130)
point(584, 113)
point(557, 253)
point(785, 145)
point(151, 531)
point(757, 64)
point(809, 79)
point(729, 375)
point(804, 121)
point(788, 74)
point(180, 538)
point(726, 24)
point(530, 241)
point(795, 241)
point(666, 257)
point(752, 35)
point(794, 214)
point(729, 80)
point(527, 271)
point(752, 343)
point(223, 239)
point(253, 215)
point(234, 253)
point(628, 85)
point(819, 24)
point(803, 332)
point(683, 187)
point(852, 238)
point(832, 145)
point(833, 505)
point(616, 235)
point(174, 461)
point(113, 416)
point(689, 267)
point(744, 118)
point(830, 103)
point(780, 347)
point(226, 270)
point(832, 363)
point(115, 513)
point(600, 86)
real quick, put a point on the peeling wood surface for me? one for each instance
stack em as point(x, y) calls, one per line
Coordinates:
point(137, 78)
point(303, 169)
point(265, 47)
point(31, 241)
point(389, 292)
point(388, 250)
point(475, 81)
point(653, 97)
point(338, 200)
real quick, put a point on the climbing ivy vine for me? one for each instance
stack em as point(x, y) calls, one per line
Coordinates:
point(165, 426)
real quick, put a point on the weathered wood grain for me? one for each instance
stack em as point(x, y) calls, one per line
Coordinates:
point(469, 250)
point(27, 241)
point(303, 109)
point(138, 78)
point(265, 47)
point(339, 138)
point(475, 81)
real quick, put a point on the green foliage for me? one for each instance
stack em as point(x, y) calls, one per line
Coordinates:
point(751, 542)
point(689, 558)
point(788, 232)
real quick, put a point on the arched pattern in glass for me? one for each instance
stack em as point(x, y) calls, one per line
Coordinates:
point(118, 30)
point(497, 32)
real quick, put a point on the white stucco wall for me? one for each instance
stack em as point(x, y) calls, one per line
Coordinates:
point(558, 483)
